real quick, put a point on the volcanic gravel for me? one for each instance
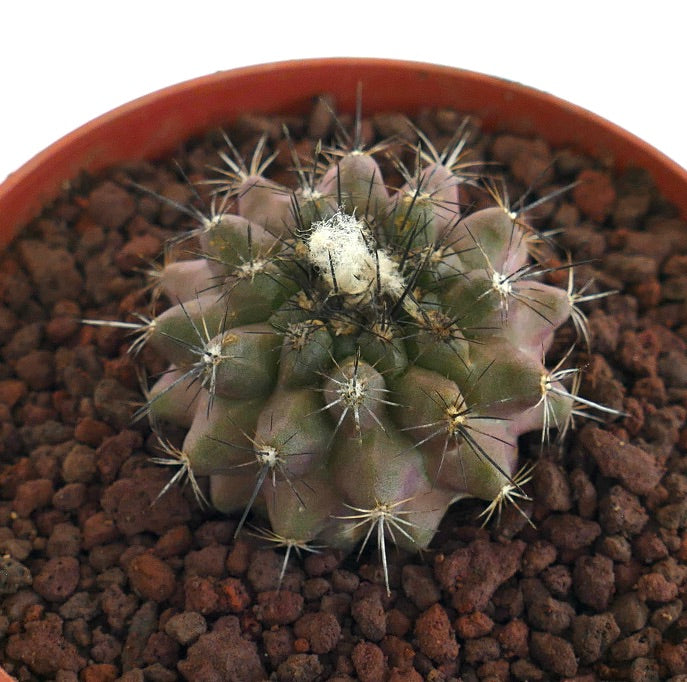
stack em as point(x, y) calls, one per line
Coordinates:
point(102, 579)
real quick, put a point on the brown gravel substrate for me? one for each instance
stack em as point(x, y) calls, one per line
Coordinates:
point(100, 581)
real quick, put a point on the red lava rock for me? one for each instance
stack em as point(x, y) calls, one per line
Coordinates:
point(200, 595)
point(36, 369)
point(279, 644)
point(621, 512)
point(557, 580)
point(592, 635)
point(368, 660)
point(279, 607)
point(58, 578)
point(649, 548)
point(208, 561)
point(594, 581)
point(65, 540)
point(92, 431)
point(99, 672)
point(654, 587)
point(161, 648)
point(410, 675)
point(215, 532)
point(175, 541)
point(594, 194)
point(322, 563)
point(52, 270)
point(43, 648)
point(526, 671)
point(12, 391)
point(397, 623)
point(637, 469)
point(368, 613)
point(138, 252)
point(264, 570)
point(570, 532)
point(472, 574)
point(529, 160)
point(476, 624)
point(223, 654)
point(638, 352)
point(98, 529)
point(513, 638)
point(110, 205)
point(113, 451)
point(419, 586)
point(238, 556)
point(33, 495)
point(151, 577)
point(637, 269)
point(479, 650)
point(537, 556)
point(674, 657)
point(234, 596)
point(641, 643)
point(553, 653)
point(550, 615)
point(321, 630)
point(399, 653)
point(130, 503)
point(551, 487)
point(435, 636)
point(186, 627)
point(314, 588)
point(300, 666)
point(665, 616)
point(79, 465)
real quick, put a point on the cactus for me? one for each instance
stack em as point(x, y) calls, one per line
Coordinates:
point(347, 359)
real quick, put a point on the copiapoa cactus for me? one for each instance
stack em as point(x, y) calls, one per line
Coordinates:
point(349, 359)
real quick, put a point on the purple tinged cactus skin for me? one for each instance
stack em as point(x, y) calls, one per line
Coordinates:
point(349, 359)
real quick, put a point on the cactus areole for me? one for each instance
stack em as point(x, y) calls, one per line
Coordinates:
point(350, 359)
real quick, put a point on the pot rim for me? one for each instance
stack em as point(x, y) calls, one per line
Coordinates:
point(153, 124)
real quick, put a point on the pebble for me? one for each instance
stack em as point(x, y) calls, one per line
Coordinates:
point(151, 577)
point(569, 532)
point(621, 512)
point(594, 581)
point(436, 638)
point(636, 468)
point(653, 587)
point(419, 586)
point(368, 660)
point(110, 205)
point(279, 607)
point(594, 194)
point(553, 653)
point(592, 635)
point(321, 630)
point(369, 614)
point(33, 495)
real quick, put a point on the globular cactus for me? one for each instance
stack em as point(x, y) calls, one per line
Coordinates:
point(349, 360)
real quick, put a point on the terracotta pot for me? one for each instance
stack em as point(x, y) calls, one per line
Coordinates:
point(152, 125)
point(4, 677)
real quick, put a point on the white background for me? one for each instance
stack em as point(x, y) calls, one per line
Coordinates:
point(63, 63)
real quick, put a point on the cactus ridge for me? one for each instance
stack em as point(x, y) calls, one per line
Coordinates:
point(350, 358)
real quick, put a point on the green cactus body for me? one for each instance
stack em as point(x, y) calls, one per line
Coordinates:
point(350, 360)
